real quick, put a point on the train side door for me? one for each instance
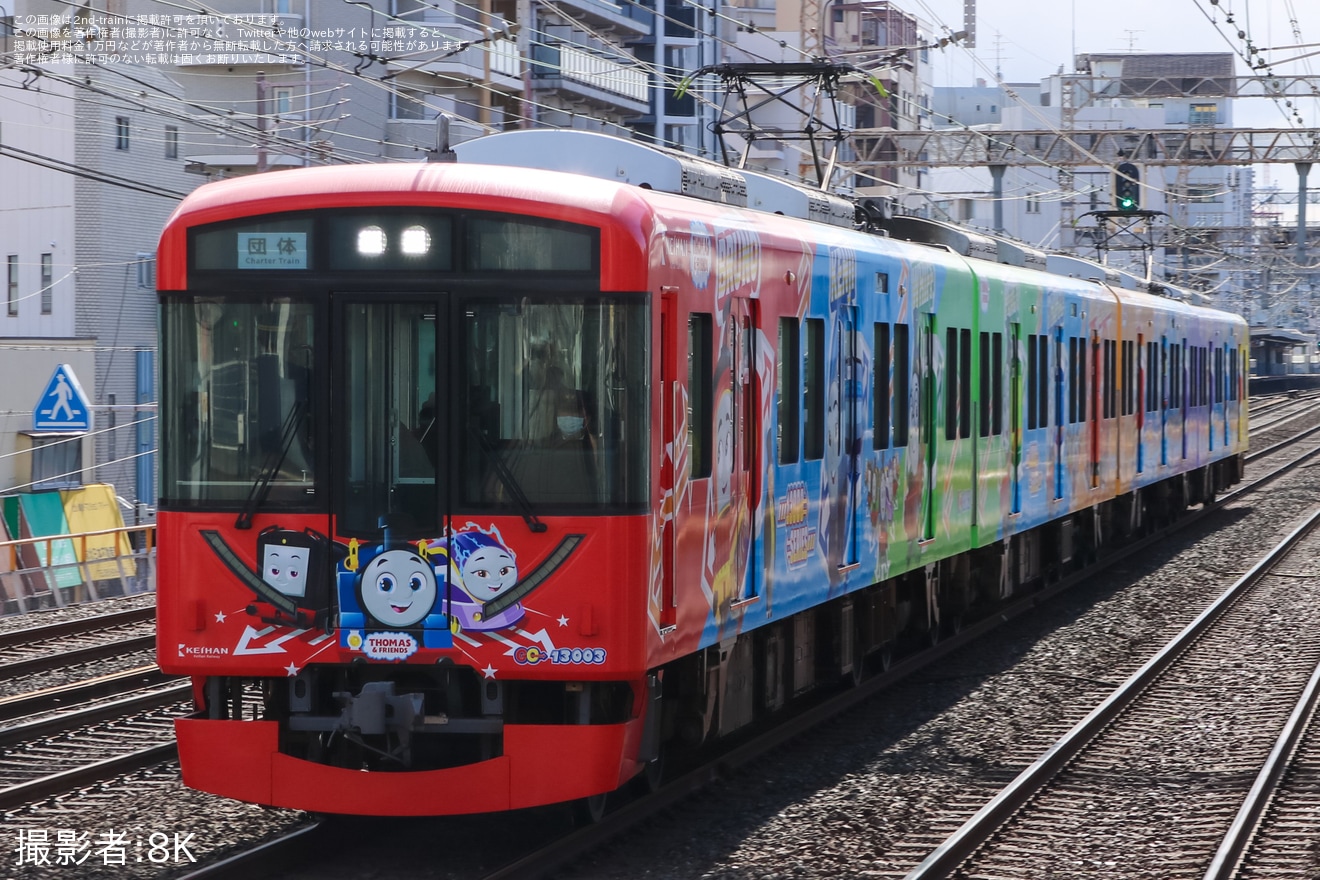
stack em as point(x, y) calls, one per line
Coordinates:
point(744, 477)
point(1166, 381)
point(926, 416)
point(664, 602)
point(1015, 414)
point(845, 427)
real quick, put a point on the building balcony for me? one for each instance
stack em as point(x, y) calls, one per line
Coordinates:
point(242, 40)
point(591, 76)
point(624, 18)
point(459, 51)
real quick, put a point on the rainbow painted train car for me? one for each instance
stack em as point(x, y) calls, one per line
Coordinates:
point(485, 484)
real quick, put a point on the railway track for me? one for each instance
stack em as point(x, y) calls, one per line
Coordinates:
point(86, 640)
point(58, 739)
point(1155, 747)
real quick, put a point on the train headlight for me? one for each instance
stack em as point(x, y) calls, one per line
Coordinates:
point(371, 241)
point(415, 241)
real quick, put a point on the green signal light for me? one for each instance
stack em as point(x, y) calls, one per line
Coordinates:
point(1126, 204)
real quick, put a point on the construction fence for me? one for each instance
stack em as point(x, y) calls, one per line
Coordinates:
point(60, 570)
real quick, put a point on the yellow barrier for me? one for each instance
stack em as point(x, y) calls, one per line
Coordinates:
point(28, 582)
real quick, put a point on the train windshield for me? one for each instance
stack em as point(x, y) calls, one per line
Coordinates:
point(490, 405)
point(240, 375)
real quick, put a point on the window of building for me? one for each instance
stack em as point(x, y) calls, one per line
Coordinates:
point(171, 142)
point(1203, 114)
point(146, 271)
point(56, 461)
point(407, 104)
point(12, 284)
point(1033, 203)
point(281, 100)
point(47, 282)
point(121, 132)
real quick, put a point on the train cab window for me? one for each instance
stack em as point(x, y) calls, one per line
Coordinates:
point(241, 375)
point(390, 450)
point(701, 381)
point(880, 388)
point(902, 378)
point(551, 404)
point(788, 389)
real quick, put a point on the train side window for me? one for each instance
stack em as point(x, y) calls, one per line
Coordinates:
point(997, 394)
point(1152, 377)
point(1072, 380)
point(880, 386)
point(700, 383)
point(814, 390)
point(1043, 380)
point(1081, 378)
point(1108, 392)
point(788, 387)
point(1032, 369)
point(983, 410)
point(964, 383)
point(951, 395)
point(902, 378)
point(1129, 378)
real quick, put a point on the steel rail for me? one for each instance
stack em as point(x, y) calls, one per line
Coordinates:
point(1228, 857)
point(77, 655)
point(71, 780)
point(975, 831)
point(19, 733)
point(76, 627)
point(67, 695)
point(271, 857)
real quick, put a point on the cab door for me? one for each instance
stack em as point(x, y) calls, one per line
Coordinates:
point(389, 444)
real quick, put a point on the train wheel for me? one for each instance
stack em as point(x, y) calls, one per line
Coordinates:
point(589, 810)
point(884, 658)
point(654, 775)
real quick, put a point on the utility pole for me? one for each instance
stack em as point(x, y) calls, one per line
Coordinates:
point(1303, 171)
point(261, 121)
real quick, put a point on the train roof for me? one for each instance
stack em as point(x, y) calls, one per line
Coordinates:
point(652, 167)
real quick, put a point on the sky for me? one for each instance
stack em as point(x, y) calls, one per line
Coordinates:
point(1028, 40)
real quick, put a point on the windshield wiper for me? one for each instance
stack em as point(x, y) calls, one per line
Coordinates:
point(261, 486)
point(509, 480)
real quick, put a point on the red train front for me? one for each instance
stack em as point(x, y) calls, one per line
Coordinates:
point(406, 489)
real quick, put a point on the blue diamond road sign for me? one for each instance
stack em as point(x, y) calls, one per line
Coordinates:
point(62, 406)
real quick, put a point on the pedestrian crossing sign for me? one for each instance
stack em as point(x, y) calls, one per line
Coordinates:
point(62, 406)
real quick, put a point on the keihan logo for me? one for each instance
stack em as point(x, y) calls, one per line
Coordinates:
point(200, 651)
